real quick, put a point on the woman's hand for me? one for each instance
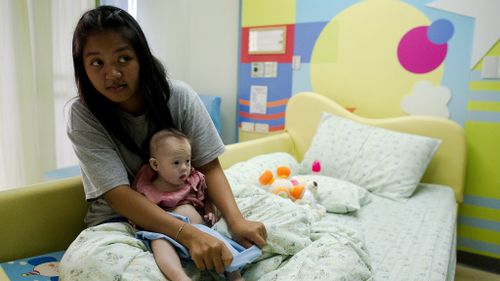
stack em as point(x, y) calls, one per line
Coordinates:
point(249, 233)
point(207, 252)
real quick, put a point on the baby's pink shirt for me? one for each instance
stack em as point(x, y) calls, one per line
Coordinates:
point(192, 193)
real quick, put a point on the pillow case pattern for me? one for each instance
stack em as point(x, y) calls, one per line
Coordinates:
point(385, 162)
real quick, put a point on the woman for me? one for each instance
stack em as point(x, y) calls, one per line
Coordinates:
point(124, 97)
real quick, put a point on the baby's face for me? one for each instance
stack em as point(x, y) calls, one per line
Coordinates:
point(174, 161)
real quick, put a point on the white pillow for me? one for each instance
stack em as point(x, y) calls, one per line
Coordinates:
point(339, 196)
point(385, 162)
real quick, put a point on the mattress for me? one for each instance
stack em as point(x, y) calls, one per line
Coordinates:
point(414, 240)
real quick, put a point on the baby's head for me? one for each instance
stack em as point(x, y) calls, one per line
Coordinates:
point(170, 156)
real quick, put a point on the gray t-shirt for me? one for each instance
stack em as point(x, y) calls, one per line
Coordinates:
point(106, 163)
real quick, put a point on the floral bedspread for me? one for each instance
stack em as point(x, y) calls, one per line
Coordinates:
point(300, 245)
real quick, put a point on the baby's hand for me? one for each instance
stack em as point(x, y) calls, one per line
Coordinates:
point(210, 218)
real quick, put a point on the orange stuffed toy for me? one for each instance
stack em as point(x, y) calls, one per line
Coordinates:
point(282, 186)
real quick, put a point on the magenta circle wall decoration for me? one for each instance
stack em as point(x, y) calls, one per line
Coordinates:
point(417, 54)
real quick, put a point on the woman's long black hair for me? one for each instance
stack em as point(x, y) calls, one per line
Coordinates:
point(152, 85)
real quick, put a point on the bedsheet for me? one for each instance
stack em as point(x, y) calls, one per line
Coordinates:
point(413, 239)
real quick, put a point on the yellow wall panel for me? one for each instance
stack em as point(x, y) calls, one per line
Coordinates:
point(483, 159)
point(265, 12)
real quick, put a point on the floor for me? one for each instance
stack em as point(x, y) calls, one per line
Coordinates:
point(466, 273)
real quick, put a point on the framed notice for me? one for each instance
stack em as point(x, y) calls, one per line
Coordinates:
point(267, 40)
point(258, 99)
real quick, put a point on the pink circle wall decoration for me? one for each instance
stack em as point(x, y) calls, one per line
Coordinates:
point(417, 54)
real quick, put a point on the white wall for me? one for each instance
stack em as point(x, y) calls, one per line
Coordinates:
point(197, 40)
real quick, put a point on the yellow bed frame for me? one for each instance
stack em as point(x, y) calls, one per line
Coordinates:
point(47, 217)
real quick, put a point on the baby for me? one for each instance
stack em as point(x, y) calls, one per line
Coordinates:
point(170, 182)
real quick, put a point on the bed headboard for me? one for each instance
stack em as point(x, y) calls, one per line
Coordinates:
point(447, 167)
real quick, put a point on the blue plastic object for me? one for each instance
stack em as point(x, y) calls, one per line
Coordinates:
point(212, 103)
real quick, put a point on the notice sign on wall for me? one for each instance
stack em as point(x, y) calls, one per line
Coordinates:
point(258, 99)
point(267, 40)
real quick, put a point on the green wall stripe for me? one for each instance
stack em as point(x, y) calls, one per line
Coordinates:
point(484, 85)
point(480, 223)
point(479, 212)
point(483, 105)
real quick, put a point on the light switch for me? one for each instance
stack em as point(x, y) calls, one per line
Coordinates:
point(490, 67)
point(296, 63)
point(270, 69)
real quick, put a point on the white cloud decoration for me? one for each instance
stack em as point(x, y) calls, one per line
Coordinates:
point(427, 99)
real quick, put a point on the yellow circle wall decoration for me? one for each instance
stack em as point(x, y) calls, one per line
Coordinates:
point(355, 62)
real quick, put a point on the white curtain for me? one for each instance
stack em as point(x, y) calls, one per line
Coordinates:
point(36, 79)
point(68, 13)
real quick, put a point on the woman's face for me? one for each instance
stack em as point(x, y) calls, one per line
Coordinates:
point(113, 68)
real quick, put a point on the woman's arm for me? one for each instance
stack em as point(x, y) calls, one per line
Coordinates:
point(206, 251)
point(219, 192)
point(137, 208)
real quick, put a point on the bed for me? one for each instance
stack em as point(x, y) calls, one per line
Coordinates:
point(410, 239)
point(376, 227)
